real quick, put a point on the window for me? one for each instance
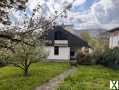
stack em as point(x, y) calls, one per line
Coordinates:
point(72, 53)
point(56, 50)
point(58, 35)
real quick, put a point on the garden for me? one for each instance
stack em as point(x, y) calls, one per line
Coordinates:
point(23, 55)
point(94, 70)
point(94, 77)
point(11, 78)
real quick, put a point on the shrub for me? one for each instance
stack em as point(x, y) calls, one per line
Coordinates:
point(85, 58)
point(108, 57)
point(2, 63)
point(97, 56)
point(111, 58)
point(3, 57)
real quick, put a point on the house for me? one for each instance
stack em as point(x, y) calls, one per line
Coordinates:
point(104, 37)
point(114, 38)
point(63, 44)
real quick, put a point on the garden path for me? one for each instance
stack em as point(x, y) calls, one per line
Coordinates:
point(54, 83)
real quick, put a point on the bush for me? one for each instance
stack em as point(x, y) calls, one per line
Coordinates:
point(97, 56)
point(85, 58)
point(2, 63)
point(110, 58)
point(3, 57)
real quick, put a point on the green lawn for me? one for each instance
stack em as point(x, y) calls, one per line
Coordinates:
point(90, 78)
point(11, 78)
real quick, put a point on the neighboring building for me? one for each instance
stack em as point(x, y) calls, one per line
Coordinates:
point(114, 38)
point(62, 44)
point(104, 37)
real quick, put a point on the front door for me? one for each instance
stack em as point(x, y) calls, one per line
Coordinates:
point(72, 54)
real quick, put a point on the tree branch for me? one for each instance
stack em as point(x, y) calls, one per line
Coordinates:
point(15, 64)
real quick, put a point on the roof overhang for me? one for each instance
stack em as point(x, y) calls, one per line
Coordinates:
point(113, 30)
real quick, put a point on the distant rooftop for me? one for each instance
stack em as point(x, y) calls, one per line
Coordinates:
point(115, 29)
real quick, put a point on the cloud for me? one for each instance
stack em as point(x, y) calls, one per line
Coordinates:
point(83, 14)
point(107, 12)
point(102, 13)
point(79, 2)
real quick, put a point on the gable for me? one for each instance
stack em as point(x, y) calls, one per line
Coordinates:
point(59, 33)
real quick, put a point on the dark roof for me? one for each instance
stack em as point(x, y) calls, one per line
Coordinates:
point(73, 39)
point(115, 29)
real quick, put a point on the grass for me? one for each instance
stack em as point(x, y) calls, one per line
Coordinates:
point(11, 78)
point(90, 78)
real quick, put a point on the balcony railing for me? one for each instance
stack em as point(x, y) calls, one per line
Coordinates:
point(61, 42)
point(57, 43)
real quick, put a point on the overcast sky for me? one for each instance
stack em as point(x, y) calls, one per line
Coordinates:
point(83, 13)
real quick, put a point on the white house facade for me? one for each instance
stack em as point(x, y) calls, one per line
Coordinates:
point(62, 44)
point(60, 50)
point(114, 38)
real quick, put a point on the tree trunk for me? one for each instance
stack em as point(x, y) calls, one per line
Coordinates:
point(26, 71)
